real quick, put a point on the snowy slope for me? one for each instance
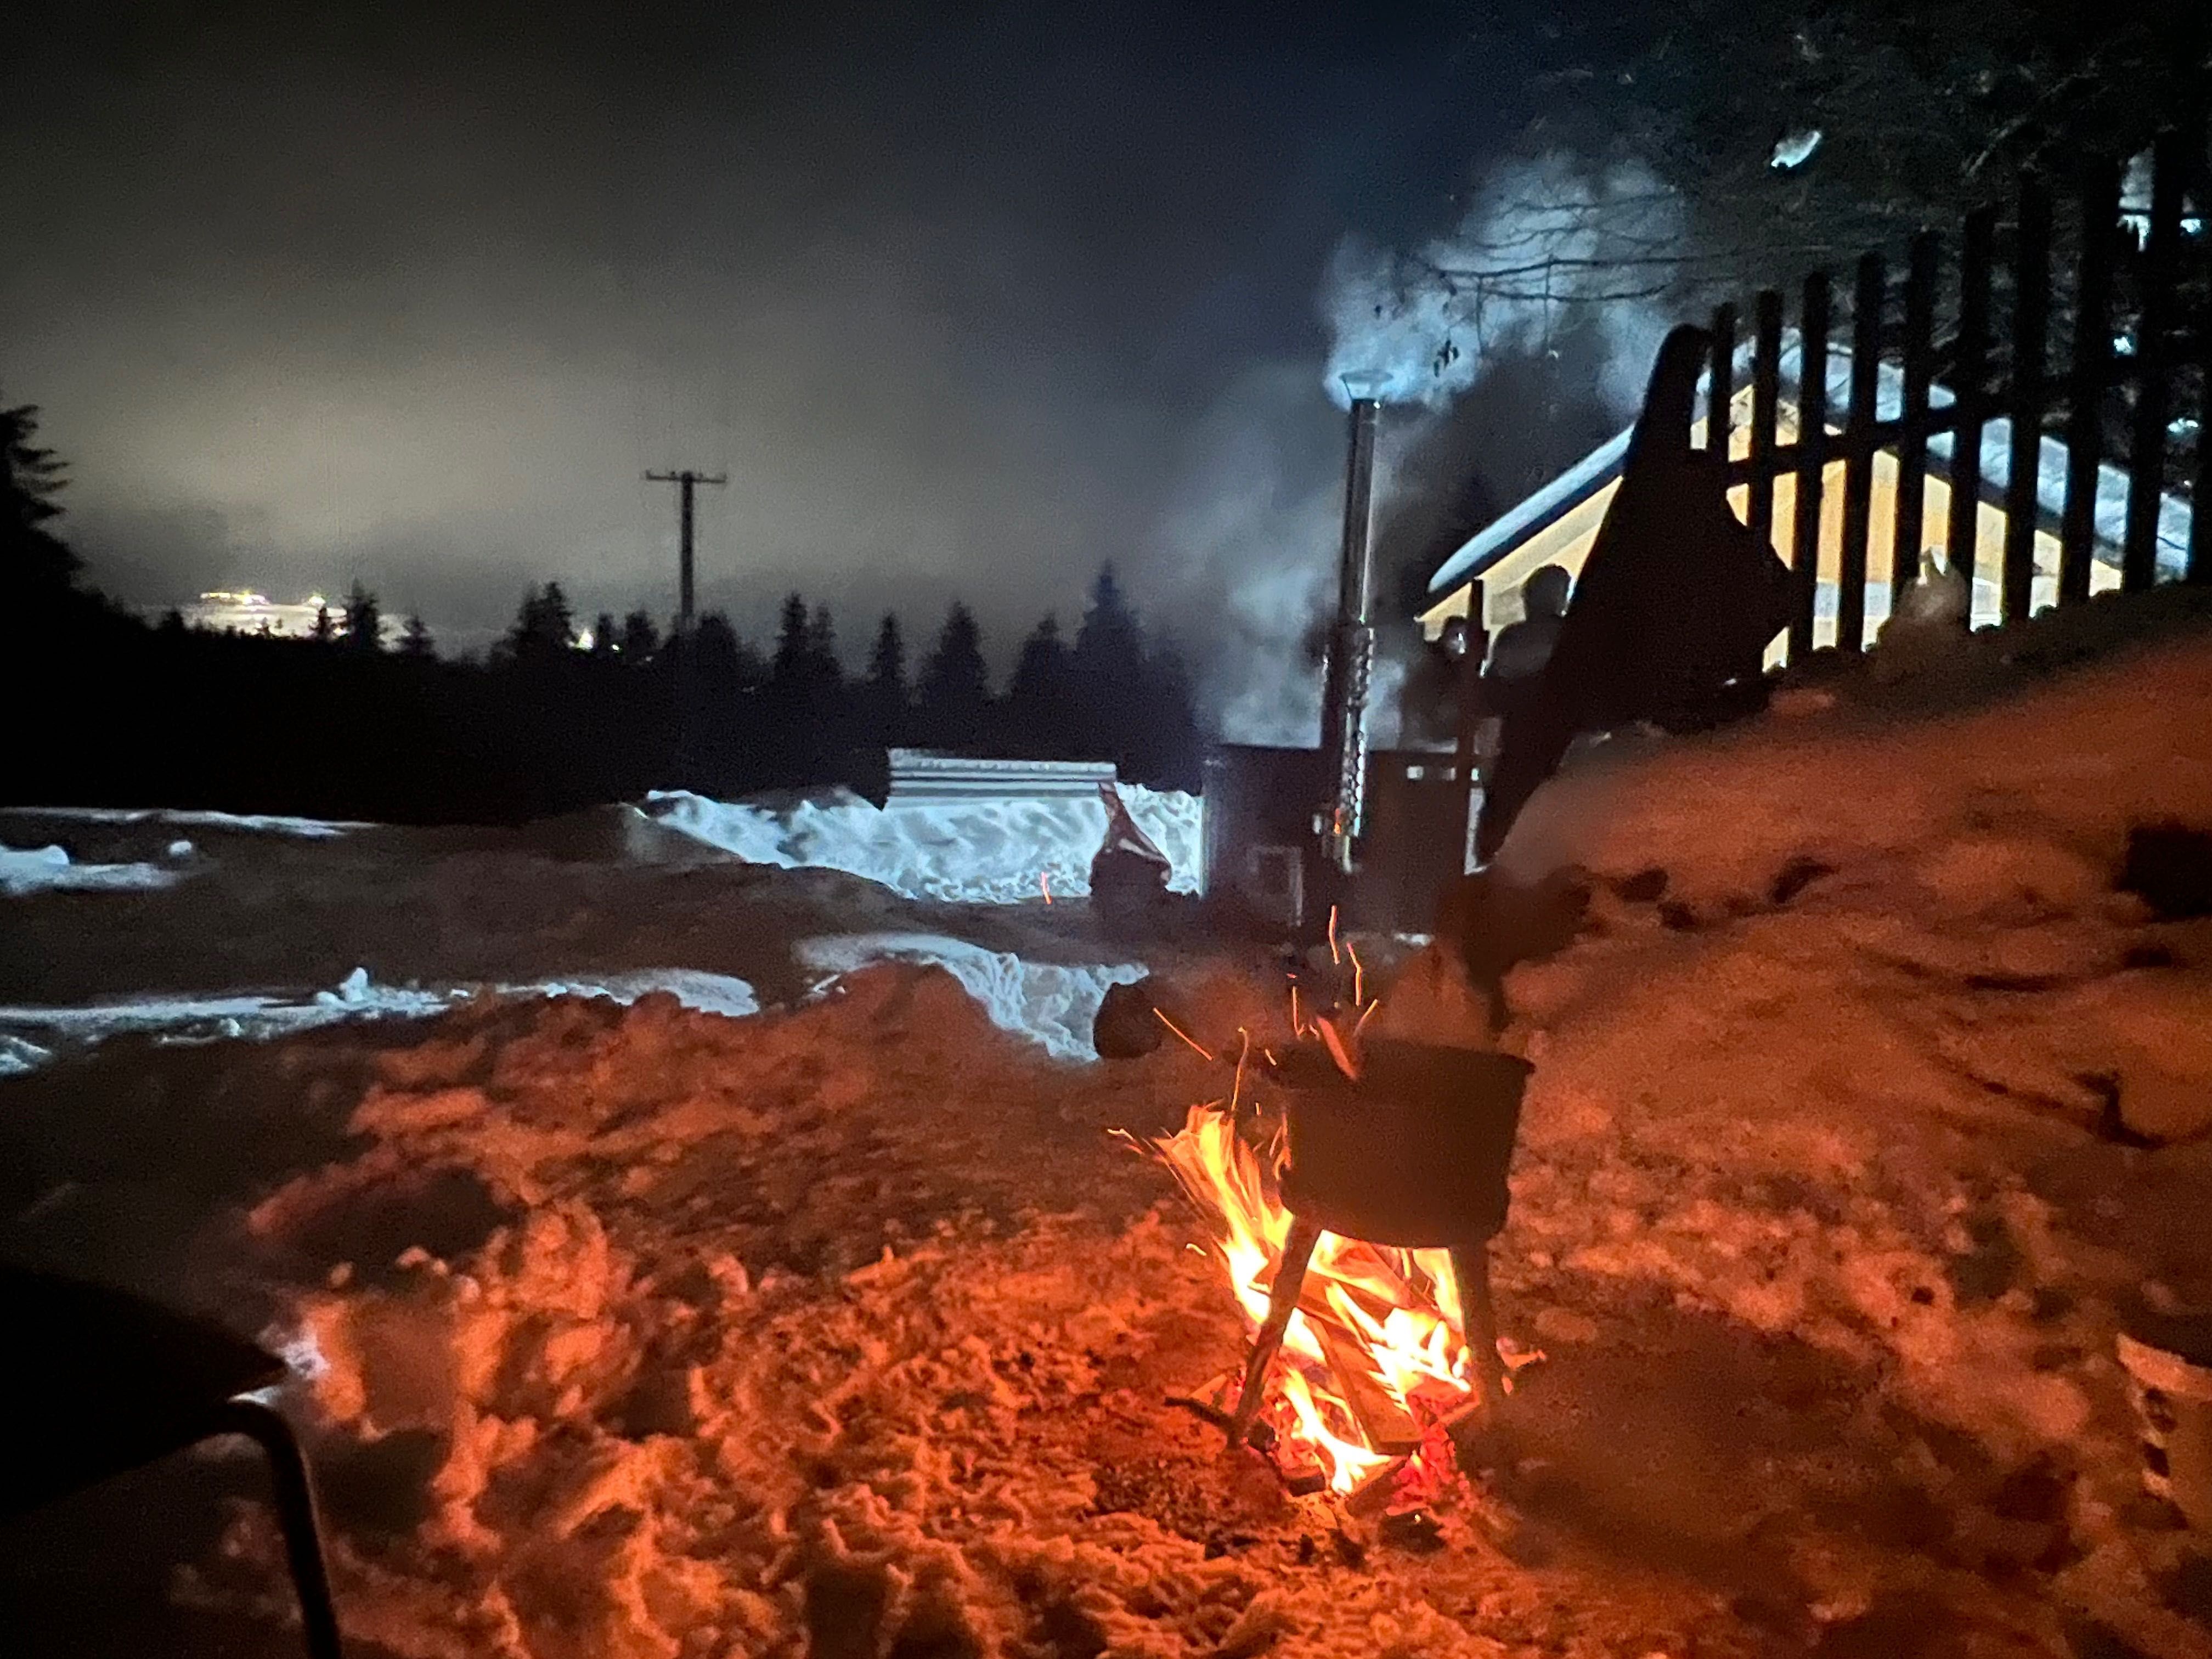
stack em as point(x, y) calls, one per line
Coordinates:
point(962, 852)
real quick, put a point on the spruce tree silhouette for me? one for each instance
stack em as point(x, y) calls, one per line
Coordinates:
point(952, 709)
point(364, 620)
point(1041, 707)
point(787, 668)
point(543, 626)
point(605, 642)
point(324, 630)
point(415, 639)
point(639, 638)
point(1109, 671)
point(885, 704)
point(37, 568)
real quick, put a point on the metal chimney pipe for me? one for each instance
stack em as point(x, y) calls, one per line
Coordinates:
point(1351, 648)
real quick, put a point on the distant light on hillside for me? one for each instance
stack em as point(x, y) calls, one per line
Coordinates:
point(244, 611)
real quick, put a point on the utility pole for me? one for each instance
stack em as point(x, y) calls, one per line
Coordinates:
point(685, 483)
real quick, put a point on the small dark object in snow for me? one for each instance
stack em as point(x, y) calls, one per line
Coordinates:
point(1645, 887)
point(2188, 1588)
point(1127, 1027)
point(2153, 955)
point(2169, 866)
point(1679, 917)
point(2112, 1122)
point(1795, 877)
point(1350, 1549)
point(1306, 1549)
point(1413, 1529)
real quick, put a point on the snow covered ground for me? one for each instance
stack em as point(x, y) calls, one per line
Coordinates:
point(1867, 1108)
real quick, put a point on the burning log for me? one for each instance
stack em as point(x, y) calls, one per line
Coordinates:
point(1384, 1422)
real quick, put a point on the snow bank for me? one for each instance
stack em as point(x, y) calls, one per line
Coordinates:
point(2082, 758)
point(709, 993)
point(959, 851)
point(48, 869)
point(1818, 1065)
point(259, 1016)
point(1052, 1005)
point(269, 823)
point(205, 1018)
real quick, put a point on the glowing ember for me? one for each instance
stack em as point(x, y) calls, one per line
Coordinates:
point(1370, 1355)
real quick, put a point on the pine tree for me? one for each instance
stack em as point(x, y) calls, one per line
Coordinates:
point(1108, 667)
point(824, 669)
point(640, 639)
point(1041, 696)
point(415, 639)
point(885, 703)
point(559, 621)
point(604, 643)
point(325, 630)
point(787, 669)
point(34, 562)
point(364, 619)
point(954, 704)
point(543, 625)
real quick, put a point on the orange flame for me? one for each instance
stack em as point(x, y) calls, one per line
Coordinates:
point(1044, 880)
point(1378, 1309)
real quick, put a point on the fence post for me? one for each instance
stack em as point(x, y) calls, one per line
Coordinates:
point(1970, 381)
point(2088, 378)
point(1868, 297)
point(1811, 457)
point(1912, 435)
point(1765, 401)
point(2152, 365)
point(1720, 384)
point(2030, 317)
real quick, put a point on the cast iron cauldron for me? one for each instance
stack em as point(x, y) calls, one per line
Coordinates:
point(1414, 1153)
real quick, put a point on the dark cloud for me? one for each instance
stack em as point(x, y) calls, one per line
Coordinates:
point(414, 293)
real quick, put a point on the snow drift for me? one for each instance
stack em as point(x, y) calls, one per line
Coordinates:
point(960, 852)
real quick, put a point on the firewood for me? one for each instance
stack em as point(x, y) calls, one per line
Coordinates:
point(1384, 1423)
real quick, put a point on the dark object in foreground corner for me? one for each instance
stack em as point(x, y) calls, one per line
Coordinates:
point(98, 1381)
point(2169, 867)
point(1413, 1153)
point(1673, 610)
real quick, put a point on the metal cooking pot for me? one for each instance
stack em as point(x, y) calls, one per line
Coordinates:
point(1414, 1153)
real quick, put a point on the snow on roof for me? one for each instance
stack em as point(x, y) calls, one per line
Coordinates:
point(1603, 466)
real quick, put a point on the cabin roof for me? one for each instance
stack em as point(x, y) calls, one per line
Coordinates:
point(1586, 476)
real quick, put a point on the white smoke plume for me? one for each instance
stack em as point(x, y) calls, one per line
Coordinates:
point(1544, 238)
point(1548, 246)
point(1250, 542)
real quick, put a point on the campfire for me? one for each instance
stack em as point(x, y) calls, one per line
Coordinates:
point(1375, 1371)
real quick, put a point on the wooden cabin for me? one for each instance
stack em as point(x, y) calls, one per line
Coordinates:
point(1557, 524)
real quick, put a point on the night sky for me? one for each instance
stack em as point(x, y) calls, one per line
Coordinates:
point(964, 299)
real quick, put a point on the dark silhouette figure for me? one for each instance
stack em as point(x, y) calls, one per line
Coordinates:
point(1515, 674)
point(1677, 603)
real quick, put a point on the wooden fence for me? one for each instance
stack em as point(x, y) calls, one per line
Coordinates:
point(2129, 287)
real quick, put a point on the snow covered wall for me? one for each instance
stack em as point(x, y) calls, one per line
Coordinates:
point(994, 852)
